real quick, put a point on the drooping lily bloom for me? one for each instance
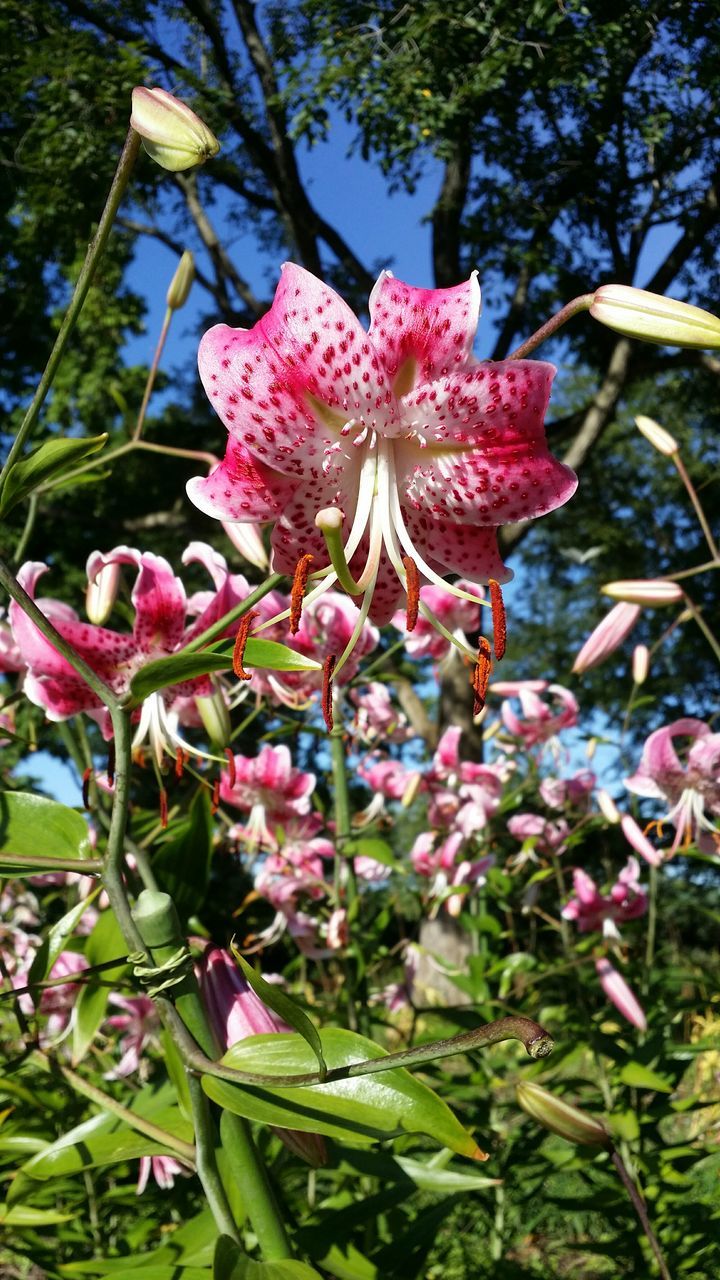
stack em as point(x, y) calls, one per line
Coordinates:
point(540, 720)
point(575, 791)
point(617, 990)
point(164, 1169)
point(549, 837)
point(592, 910)
point(162, 626)
point(376, 718)
point(269, 788)
point(692, 789)
point(413, 448)
point(137, 1024)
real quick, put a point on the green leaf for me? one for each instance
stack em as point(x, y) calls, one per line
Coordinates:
point(231, 1263)
point(181, 865)
point(360, 1110)
point(429, 1177)
point(49, 460)
point(59, 935)
point(276, 999)
point(90, 1009)
point(640, 1077)
point(191, 1246)
point(22, 1215)
point(263, 654)
point(31, 824)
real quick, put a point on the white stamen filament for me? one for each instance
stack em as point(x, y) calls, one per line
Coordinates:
point(159, 726)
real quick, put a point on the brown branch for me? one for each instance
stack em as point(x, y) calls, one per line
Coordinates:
point(224, 267)
point(447, 216)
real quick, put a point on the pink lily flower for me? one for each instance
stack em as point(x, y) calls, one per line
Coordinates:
point(592, 910)
point(270, 789)
point(692, 789)
point(376, 718)
point(549, 837)
point(617, 990)
point(138, 1023)
point(390, 778)
point(164, 1169)
point(540, 720)
point(575, 791)
point(398, 433)
point(160, 628)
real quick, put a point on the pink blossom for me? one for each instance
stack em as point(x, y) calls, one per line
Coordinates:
point(337, 931)
point(575, 791)
point(639, 841)
point(389, 777)
point(376, 718)
point(549, 837)
point(466, 875)
point(539, 720)
point(617, 990)
point(138, 1024)
point(164, 1169)
point(270, 789)
point(607, 636)
point(161, 627)
point(692, 788)
point(456, 615)
point(323, 416)
point(592, 910)
point(327, 626)
point(57, 1003)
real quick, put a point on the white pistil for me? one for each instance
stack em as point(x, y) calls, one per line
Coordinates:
point(159, 726)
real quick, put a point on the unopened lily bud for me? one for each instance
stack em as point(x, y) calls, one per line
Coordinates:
point(640, 663)
point(101, 594)
point(216, 718)
point(181, 283)
point(173, 135)
point(607, 636)
point(639, 841)
point(608, 807)
point(657, 435)
point(560, 1117)
point(653, 318)
point(617, 990)
point(647, 591)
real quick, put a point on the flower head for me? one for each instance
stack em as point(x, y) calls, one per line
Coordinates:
point(691, 789)
point(395, 441)
point(173, 135)
point(269, 788)
point(592, 910)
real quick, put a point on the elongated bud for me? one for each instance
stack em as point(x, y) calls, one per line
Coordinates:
point(181, 283)
point(101, 593)
point(653, 318)
point(607, 636)
point(216, 718)
point(640, 663)
point(639, 841)
point(647, 591)
point(618, 992)
point(608, 807)
point(173, 135)
point(560, 1117)
point(657, 435)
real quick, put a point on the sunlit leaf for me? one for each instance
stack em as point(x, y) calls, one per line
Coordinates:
point(48, 462)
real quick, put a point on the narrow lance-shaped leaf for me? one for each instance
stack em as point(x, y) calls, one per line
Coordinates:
point(265, 655)
point(276, 999)
point(46, 463)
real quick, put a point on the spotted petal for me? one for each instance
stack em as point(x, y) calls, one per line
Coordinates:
point(457, 548)
point(423, 334)
point(240, 488)
point(158, 598)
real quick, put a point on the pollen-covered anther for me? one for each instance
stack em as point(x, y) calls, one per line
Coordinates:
point(163, 808)
point(499, 618)
point(87, 775)
point(327, 692)
point(179, 762)
point(241, 640)
point(481, 675)
point(412, 583)
point(232, 774)
point(215, 802)
point(297, 594)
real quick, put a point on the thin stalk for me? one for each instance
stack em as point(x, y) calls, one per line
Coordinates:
point(206, 1162)
point(560, 882)
point(95, 249)
point(638, 1205)
point(196, 455)
point(80, 979)
point(251, 1176)
point(140, 1123)
point(114, 855)
point(689, 573)
point(40, 862)
point(708, 634)
point(28, 527)
point(152, 374)
point(211, 633)
point(692, 494)
point(345, 878)
point(551, 326)
point(652, 919)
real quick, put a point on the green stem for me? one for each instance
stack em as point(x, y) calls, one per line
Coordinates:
point(222, 624)
point(95, 249)
point(345, 878)
point(207, 1167)
point(551, 326)
point(702, 518)
point(652, 919)
point(564, 931)
point(638, 1205)
point(90, 1091)
point(40, 862)
point(251, 1176)
point(81, 979)
point(26, 534)
point(152, 374)
point(689, 573)
point(115, 851)
point(698, 618)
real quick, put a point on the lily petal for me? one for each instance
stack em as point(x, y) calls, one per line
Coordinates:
point(433, 328)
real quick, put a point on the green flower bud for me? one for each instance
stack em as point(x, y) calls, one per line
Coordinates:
point(216, 719)
point(181, 283)
point(171, 133)
point(560, 1117)
point(653, 318)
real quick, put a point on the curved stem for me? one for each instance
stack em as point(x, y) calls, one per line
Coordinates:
point(699, 512)
point(95, 249)
point(551, 326)
point(152, 374)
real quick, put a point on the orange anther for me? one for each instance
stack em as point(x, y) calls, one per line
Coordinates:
point(179, 762)
point(481, 675)
point(86, 788)
point(215, 796)
point(413, 592)
point(297, 593)
point(231, 766)
point(499, 618)
point(327, 709)
point(241, 640)
point(163, 808)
